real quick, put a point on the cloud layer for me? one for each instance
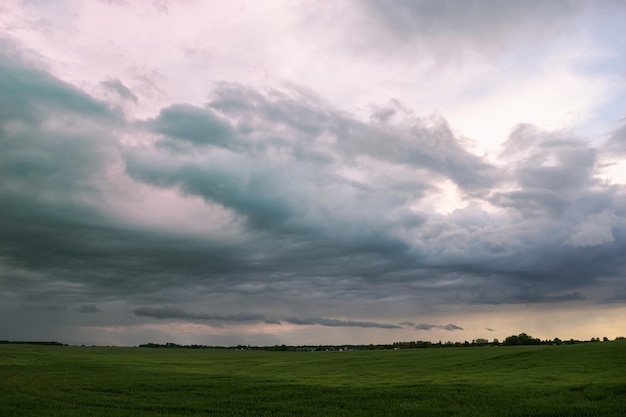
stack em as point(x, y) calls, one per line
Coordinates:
point(277, 208)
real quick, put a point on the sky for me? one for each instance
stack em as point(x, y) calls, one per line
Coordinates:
point(311, 172)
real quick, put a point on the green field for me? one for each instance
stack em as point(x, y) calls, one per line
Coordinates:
point(573, 380)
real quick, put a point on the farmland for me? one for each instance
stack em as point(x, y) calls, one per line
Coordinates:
point(573, 380)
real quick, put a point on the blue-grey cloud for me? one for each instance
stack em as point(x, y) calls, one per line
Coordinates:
point(177, 313)
point(192, 124)
point(43, 307)
point(88, 308)
point(32, 95)
point(330, 322)
point(289, 122)
point(321, 209)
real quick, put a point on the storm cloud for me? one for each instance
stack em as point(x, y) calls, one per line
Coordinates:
point(304, 191)
point(293, 204)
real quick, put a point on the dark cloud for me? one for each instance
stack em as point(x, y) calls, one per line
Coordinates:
point(323, 321)
point(177, 313)
point(88, 308)
point(31, 95)
point(309, 210)
point(423, 326)
point(192, 124)
point(449, 327)
point(43, 307)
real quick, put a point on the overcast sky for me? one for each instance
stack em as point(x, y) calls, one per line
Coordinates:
point(311, 172)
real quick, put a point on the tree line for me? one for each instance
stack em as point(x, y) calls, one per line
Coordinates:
point(33, 342)
point(521, 339)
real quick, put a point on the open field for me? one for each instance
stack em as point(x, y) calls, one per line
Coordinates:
point(574, 380)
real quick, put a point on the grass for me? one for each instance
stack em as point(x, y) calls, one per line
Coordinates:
point(574, 380)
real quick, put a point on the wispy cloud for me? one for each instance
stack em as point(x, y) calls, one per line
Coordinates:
point(323, 321)
point(116, 86)
point(449, 326)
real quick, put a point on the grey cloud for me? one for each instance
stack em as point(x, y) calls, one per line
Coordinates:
point(249, 191)
point(193, 124)
point(532, 202)
point(258, 189)
point(561, 176)
point(617, 141)
point(88, 308)
point(116, 86)
point(30, 94)
point(43, 307)
point(323, 321)
point(57, 149)
point(451, 27)
point(54, 142)
point(56, 238)
point(177, 313)
point(449, 327)
point(558, 164)
point(320, 206)
point(428, 144)
point(424, 326)
point(554, 172)
point(295, 109)
point(384, 114)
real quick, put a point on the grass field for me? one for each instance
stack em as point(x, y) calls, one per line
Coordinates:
point(574, 380)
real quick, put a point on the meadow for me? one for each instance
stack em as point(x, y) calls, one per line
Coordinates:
point(572, 380)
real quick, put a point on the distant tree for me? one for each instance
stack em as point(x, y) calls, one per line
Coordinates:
point(521, 339)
